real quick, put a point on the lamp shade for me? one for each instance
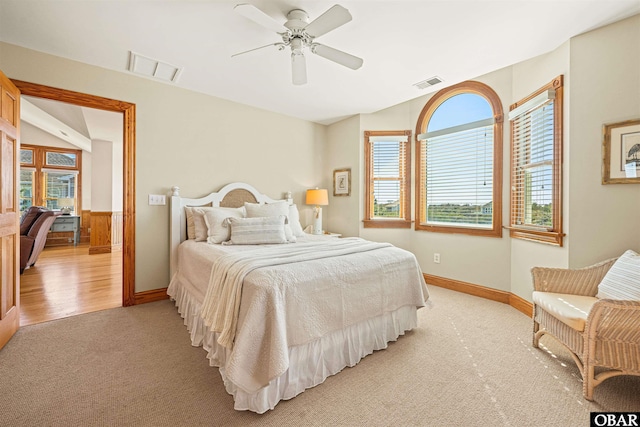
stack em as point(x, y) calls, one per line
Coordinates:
point(318, 197)
point(66, 202)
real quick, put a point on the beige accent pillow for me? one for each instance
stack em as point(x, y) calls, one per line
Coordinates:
point(257, 231)
point(191, 226)
point(213, 219)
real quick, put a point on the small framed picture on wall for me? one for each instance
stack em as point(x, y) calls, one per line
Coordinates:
point(621, 153)
point(342, 182)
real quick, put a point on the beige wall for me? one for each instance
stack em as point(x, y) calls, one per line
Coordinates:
point(602, 85)
point(342, 153)
point(605, 88)
point(191, 140)
point(200, 143)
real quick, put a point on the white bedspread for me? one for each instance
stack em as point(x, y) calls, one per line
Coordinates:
point(222, 301)
point(286, 302)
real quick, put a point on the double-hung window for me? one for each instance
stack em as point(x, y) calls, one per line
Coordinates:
point(536, 165)
point(459, 166)
point(388, 179)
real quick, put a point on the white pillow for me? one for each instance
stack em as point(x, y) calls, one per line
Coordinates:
point(255, 210)
point(622, 281)
point(294, 221)
point(213, 219)
point(196, 227)
point(257, 231)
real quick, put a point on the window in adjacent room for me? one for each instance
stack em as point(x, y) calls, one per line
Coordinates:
point(536, 165)
point(388, 179)
point(49, 177)
point(459, 162)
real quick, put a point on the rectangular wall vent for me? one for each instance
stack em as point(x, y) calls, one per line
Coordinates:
point(149, 67)
point(428, 82)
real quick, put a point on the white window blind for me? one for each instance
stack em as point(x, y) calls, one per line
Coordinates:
point(388, 169)
point(457, 165)
point(532, 171)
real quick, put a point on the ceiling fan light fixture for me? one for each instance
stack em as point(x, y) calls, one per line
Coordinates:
point(296, 46)
point(298, 33)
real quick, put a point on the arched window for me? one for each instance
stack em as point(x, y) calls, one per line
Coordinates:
point(459, 162)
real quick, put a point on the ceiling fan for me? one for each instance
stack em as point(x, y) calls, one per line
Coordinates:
point(300, 34)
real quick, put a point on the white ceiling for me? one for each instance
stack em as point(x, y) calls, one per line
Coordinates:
point(401, 42)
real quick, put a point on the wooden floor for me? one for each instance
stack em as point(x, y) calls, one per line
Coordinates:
point(67, 281)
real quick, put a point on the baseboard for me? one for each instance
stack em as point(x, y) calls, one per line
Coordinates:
point(514, 301)
point(150, 296)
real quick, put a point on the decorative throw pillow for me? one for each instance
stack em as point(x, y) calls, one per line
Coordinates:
point(257, 231)
point(622, 281)
point(255, 210)
point(213, 219)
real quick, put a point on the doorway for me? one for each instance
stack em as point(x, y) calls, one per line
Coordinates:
point(128, 167)
point(71, 162)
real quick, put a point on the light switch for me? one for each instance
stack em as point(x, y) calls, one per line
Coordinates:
point(157, 199)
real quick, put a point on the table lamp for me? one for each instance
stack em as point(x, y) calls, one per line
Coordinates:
point(317, 197)
point(66, 205)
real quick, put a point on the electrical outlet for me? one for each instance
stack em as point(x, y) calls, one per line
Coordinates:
point(436, 258)
point(157, 199)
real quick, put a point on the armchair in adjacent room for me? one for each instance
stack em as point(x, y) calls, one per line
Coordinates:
point(34, 226)
point(595, 313)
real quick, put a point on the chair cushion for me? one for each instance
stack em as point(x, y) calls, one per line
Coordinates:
point(572, 310)
point(622, 281)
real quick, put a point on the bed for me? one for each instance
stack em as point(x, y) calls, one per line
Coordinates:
point(278, 318)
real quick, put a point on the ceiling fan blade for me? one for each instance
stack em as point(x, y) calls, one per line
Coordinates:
point(257, 48)
point(251, 12)
point(337, 56)
point(330, 20)
point(298, 69)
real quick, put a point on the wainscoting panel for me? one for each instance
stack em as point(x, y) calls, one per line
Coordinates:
point(106, 232)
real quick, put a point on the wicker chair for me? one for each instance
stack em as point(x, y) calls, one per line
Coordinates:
point(609, 341)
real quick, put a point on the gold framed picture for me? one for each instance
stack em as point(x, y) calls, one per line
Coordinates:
point(621, 153)
point(342, 182)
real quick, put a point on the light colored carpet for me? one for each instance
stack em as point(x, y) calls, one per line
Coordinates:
point(469, 363)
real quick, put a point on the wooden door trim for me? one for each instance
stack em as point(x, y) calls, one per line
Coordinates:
point(129, 160)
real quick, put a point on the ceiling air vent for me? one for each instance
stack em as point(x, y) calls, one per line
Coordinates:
point(153, 68)
point(429, 82)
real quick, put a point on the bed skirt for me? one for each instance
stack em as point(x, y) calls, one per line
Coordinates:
point(309, 364)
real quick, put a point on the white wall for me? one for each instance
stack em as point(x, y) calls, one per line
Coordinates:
point(191, 140)
point(102, 180)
